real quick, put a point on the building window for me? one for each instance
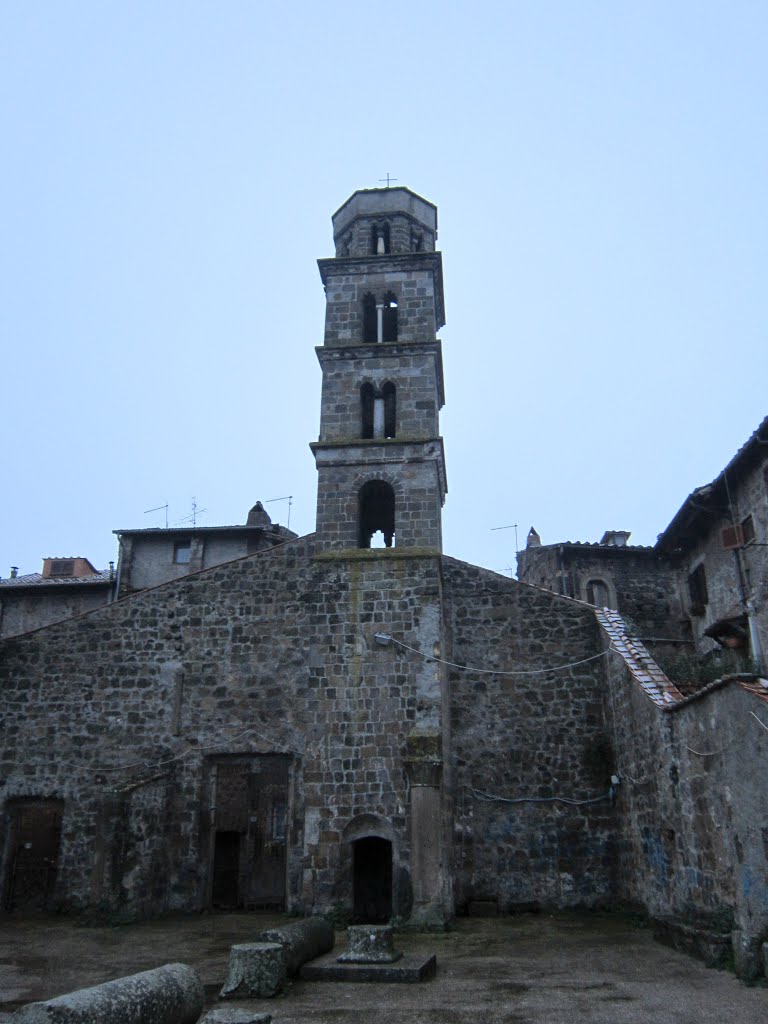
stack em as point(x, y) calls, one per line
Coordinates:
point(376, 505)
point(697, 590)
point(370, 320)
point(62, 567)
point(367, 402)
point(748, 529)
point(379, 318)
point(380, 239)
point(389, 318)
point(182, 552)
point(598, 594)
point(389, 398)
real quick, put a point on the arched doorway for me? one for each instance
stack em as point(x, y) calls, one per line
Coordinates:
point(372, 880)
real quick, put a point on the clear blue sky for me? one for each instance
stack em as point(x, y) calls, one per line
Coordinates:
point(168, 175)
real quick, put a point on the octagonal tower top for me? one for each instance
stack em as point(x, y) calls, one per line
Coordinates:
point(375, 221)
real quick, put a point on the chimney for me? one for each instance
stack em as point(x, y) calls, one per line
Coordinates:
point(14, 571)
point(533, 540)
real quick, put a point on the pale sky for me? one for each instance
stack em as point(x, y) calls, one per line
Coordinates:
point(168, 175)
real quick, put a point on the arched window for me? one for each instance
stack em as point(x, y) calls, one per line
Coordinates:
point(370, 320)
point(367, 399)
point(380, 239)
point(598, 594)
point(389, 318)
point(389, 397)
point(376, 509)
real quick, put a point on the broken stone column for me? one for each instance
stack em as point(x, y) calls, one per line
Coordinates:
point(172, 994)
point(301, 941)
point(424, 765)
point(255, 970)
point(369, 944)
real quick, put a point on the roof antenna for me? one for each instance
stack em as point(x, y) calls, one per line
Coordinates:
point(512, 527)
point(165, 506)
point(289, 499)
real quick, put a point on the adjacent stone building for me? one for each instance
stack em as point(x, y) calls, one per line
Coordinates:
point(354, 722)
point(703, 586)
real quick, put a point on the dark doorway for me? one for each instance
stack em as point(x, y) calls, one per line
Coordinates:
point(36, 834)
point(226, 870)
point(372, 880)
point(249, 838)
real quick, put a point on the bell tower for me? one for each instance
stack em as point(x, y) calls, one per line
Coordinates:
point(379, 457)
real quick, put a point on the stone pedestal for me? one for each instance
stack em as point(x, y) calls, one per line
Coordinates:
point(255, 970)
point(369, 944)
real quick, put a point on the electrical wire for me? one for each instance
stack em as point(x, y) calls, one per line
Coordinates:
point(499, 672)
point(538, 799)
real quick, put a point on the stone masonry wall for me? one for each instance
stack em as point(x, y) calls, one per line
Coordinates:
point(643, 585)
point(411, 280)
point(416, 484)
point(692, 806)
point(270, 654)
point(357, 239)
point(413, 373)
point(529, 737)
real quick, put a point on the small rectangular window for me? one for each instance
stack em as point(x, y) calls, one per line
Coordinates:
point(182, 552)
point(62, 567)
point(697, 589)
point(748, 529)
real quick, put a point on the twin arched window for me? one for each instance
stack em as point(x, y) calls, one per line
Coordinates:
point(378, 410)
point(379, 318)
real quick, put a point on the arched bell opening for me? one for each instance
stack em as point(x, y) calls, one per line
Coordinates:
point(389, 397)
point(370, 320)
point(371, 880)
point(376, 514)
point(389, 318)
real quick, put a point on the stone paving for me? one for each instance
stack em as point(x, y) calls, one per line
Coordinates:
point(527, 969)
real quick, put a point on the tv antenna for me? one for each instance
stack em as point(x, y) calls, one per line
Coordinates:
point(512, 527)
point(196, 511)
point(289, 499)
point(159, 507)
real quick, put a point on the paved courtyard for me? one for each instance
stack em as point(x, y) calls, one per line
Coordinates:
point(558, 969)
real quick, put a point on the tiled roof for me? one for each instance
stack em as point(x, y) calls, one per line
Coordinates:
point(639, 662)
point(36, 579)
point(591, 544)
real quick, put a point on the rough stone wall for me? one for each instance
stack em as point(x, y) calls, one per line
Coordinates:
point(643, 585)
point(273, 653)
point(22, 611)
point(692, 805)
point(532, 737)
point(357, 240)
point(413, 370)
point(411, 280)
point(415, 481)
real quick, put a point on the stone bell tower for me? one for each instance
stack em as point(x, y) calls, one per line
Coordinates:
point(380, 459)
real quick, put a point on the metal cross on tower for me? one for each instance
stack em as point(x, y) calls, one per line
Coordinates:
point(388, 179)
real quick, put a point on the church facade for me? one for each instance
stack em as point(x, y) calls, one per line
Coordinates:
point(352, 720)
